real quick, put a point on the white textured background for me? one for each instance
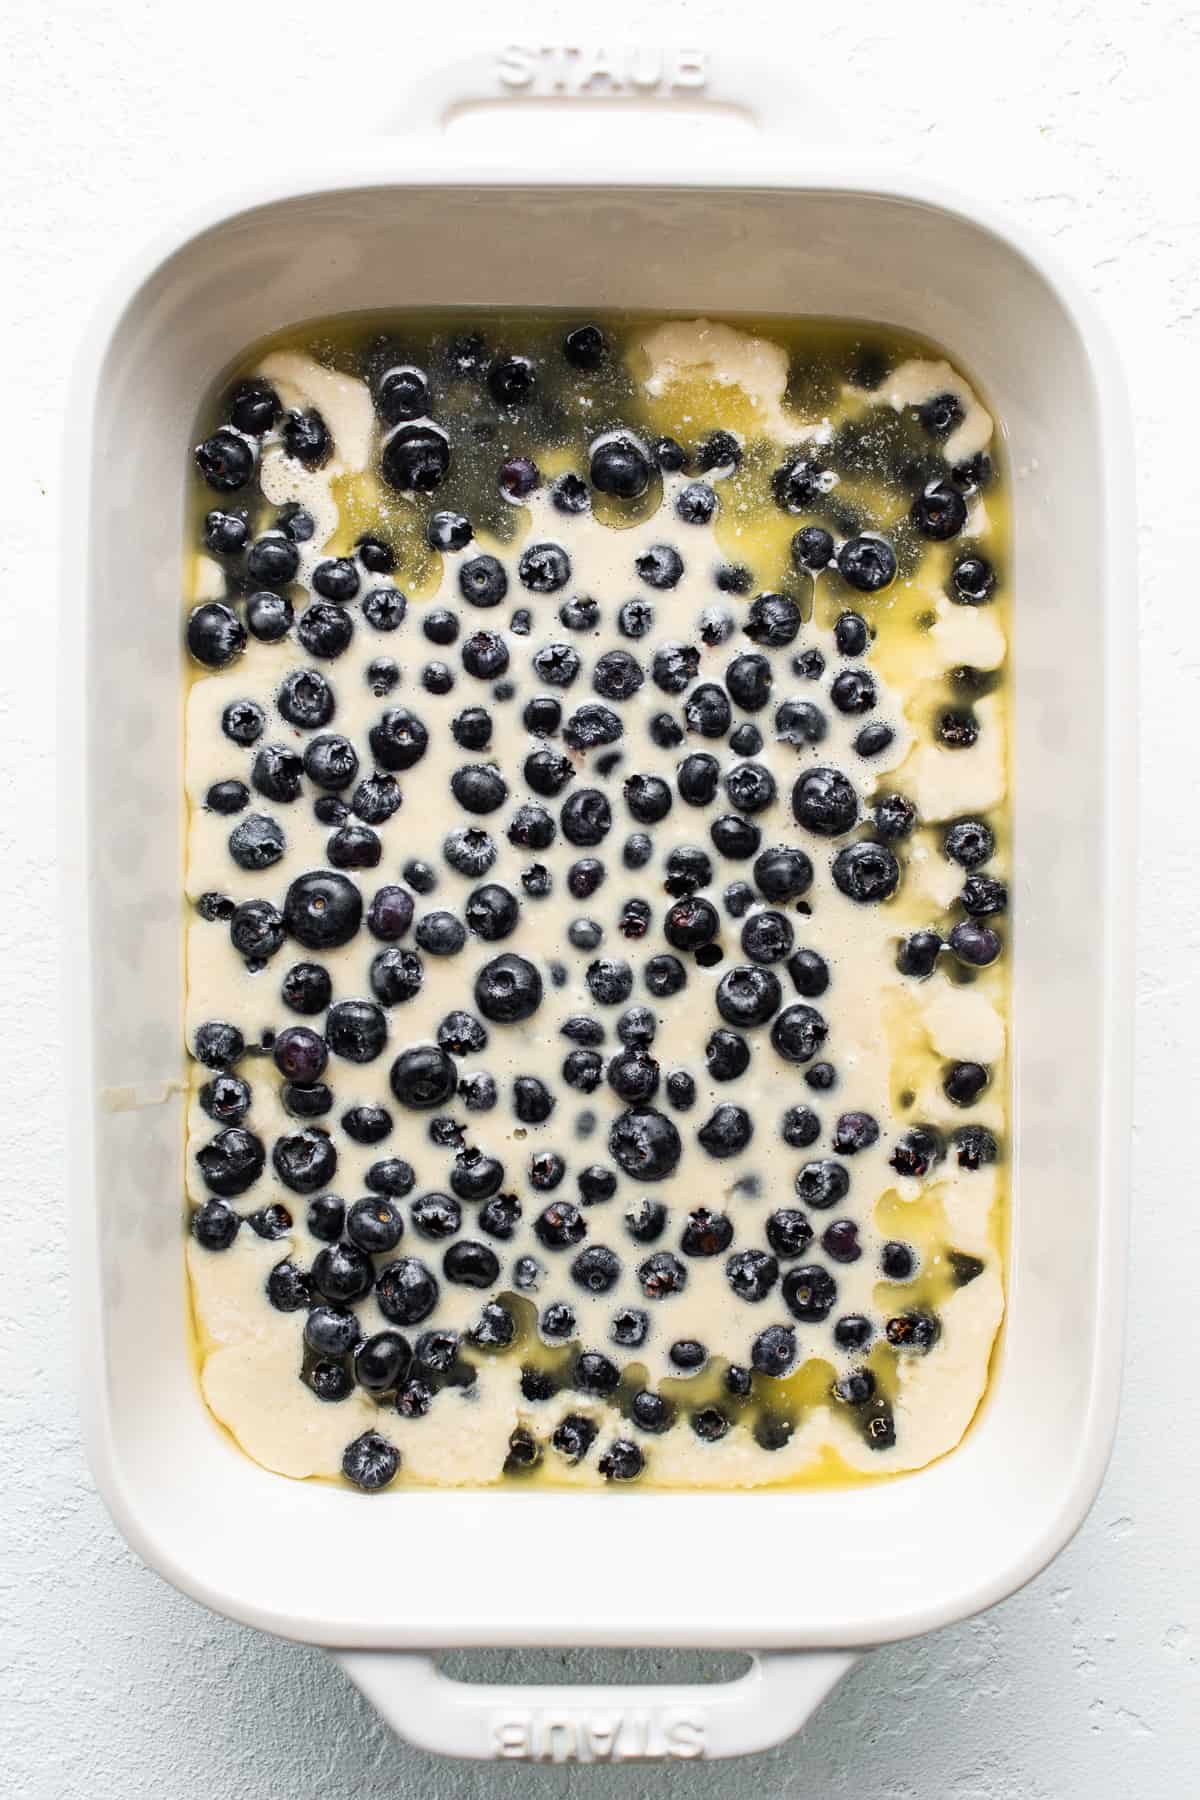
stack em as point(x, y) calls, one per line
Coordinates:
point(1080, 118)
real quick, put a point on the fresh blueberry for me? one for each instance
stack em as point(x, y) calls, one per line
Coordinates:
point(789, 1233)
point(423, 1076)
point(917, 1151)
point(619, 467)
point(325, 630)
point(269, 616)
point(918, 954)
point(406, 1291)
point(969, 843)
point(366, 1124)
point(306, 437)
point(707, 709)
point(726, 1132)
point(824, 801)
point(215, 1225)
point(809, 1293)
point(748, 995)
point(866, 872)
point(975, 1147)
point(485, 655)
point(974, 944)
point(798, 1033)
point(226, 461)
point(543, 568)
point(964, 1082)
point(706, 1233)
point(215, 634)
point(735, 838)
point(415, 459)
point(939, 512)
point(586, 818)
point(867, 564)
point(972, 581)
point(812, 548)
point(256, 931)
point(305, 699)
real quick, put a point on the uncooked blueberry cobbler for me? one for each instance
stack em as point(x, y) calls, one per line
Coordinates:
point(597, 943)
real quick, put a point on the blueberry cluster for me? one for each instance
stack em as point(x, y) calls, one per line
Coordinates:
point(653, 728)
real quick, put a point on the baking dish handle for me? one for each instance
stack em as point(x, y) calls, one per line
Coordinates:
point(638, 80)
point(602, 1724)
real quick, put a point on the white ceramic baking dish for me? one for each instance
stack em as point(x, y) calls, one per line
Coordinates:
point(808, 1579)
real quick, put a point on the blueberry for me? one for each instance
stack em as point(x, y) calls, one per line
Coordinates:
point(696, 504)
point(974, 944)
point(913, 1331)
point(570, 494)
point(895, 816)
point(415, 459)
point(974, 1147)
point(610, 981)
point(840, 1241)
point(512, 380)
point(306, 988)
point(866, 872)
point(957, 730)
point(341, 1274)
point(269, 617)
point(766, 937)
point(619, 467)
point(402, 394)
point(809, 1292)
point(329, 810)
point(726, 1055)
point(508, 989)
point(916, 1152)
point(330, 761)
point(982, 896)
point(330, 1331)
point(543, 568)
point(226, 461)
point(824, 802)
point(918, 954)
point(336, 579)
point(964, 1082)
point(532, 1100)
point(727, 1131)
point(660, 567)
point(798, 1033)
point(707, 709)
point(706, 1233)
point(852, 1332)
point(471, 1264)
point(597, 1269)
point(305, 699)
point(772, 620)
point(586, 817)
point(213, 906)
point(474, 1174)
point(750, 787)
point(288, 1288)
point(485, 655)
point(710, 1424)
point(275, 773)
point(972, 581)
point(748, 995)
point(256, 930)
point(305, 1161)
point(664, 975)
point(867, 563)
point(325, 630)
point(812, 548)
point(215, 634)
point(382, 1361)
point(782, 873)
point(939, 512)
point(789, 1233)
point(273, 559)
point(617, 675)
point(226, 533)
point(596, 1184)
point(356, 1030)
point(674, 666)
point(797, 483)
point(423, 1076)
point(469, 850)
point(633, 1075)
point(396, 976)
point(436, 1216)
point(773, 1352)
point(810, 664)
point(383, 609)
point(479, 787)
point(850, 634)
point(300, 1054)
point(580, 614)
point(406, 1291)
point(306, 437)
point(531, 828)
point(969, 842)
point(735, 837)
point(853, 691)
point(215, 1225)
point(329, 1381)
point(897, 1261)
point(440, 933)
point(227, 1099)
point(692, 921)
point(311, 1101)
point(322, 910)
point(585, 876)
point(366, 1124)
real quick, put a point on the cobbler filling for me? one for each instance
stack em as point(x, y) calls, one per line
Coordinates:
point(596, 973)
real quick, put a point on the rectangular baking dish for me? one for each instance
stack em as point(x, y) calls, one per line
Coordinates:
point(775, 229)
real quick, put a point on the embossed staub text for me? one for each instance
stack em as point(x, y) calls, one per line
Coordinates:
point(568, 69)
point(635, 1734)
